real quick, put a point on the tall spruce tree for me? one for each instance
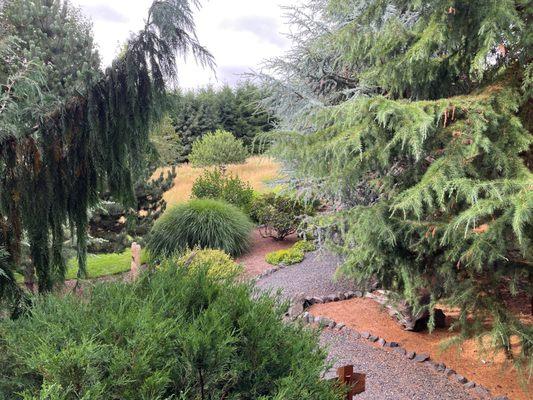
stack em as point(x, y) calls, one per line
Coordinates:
point(413, 118)
point(54, 165)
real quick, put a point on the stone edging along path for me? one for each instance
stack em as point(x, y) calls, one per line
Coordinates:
point(324, 322)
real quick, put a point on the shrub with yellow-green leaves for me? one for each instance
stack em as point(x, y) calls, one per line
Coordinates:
point(218, 263)
point(294, 255)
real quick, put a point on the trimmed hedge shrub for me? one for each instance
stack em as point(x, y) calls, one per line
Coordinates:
point(214, 184)
point(170, 334)
point(218, 264)
point(217, 148)
point(205, 223)
point(277, 215)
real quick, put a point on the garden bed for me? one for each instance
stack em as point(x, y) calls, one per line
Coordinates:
point(364, 314)
point(254, 260)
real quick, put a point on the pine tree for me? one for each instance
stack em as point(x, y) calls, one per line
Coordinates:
point(422, 148)
point(237, 110)
point(56, 34)
point(54, 167)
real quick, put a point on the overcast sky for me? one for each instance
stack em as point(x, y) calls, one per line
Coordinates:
point(239, 33)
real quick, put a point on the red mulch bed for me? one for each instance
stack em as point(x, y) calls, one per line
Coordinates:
point(365, 315)
point(254, 261)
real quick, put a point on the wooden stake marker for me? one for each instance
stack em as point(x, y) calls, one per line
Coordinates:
point(354, 380)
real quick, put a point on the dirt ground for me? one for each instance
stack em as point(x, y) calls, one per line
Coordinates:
point(257, 171)
point(254, 261)
point(494, 373)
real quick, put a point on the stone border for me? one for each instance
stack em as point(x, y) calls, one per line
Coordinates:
point(423, 358)
point(270, 271)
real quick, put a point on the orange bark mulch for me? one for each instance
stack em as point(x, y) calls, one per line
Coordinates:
point(365, 315)
point(254, 260)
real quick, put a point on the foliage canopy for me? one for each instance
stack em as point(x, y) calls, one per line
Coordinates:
point(54, 165)
point(172, 334)
point(215, 184)
point(411, 120)
point(217, 148)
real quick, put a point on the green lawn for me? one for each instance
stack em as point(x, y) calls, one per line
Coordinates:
point(103, 264)
point(100, 265)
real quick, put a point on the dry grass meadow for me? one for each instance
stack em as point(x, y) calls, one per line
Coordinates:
point(257, 170)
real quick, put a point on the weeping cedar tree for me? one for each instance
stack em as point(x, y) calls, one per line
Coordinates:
point(53, 170)
point(413, 119)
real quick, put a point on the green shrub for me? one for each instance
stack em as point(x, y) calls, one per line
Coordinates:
point(217, 148)
point(294, 255)
point(305, 246)
point(214, 184)
point(218, 264)
point(277, 215)
point(285, 257)
point(170, 334)
point(205, 223)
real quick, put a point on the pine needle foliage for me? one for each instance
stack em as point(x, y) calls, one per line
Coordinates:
point(176, 333)
point(52, 171)
point(428, 169)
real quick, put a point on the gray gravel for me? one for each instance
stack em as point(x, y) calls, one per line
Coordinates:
point(389, 376)
point(312, 277)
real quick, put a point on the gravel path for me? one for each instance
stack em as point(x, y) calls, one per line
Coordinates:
point(312, 277)
point(389, 375)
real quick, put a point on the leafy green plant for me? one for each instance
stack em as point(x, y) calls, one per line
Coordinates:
point(174, 333)
point(278, 215)
point(305, 246)
point(294, 255)
point(217, 263)
point(218, 148)
point(205, 223)
point(215, 184)
point(285, 257)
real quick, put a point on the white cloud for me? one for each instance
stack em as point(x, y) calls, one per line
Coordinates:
point(239, 33)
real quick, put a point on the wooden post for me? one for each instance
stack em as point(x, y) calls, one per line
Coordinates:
point(135, 260)
point(355, 381)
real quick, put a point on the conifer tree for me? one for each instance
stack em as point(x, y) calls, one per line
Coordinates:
point(237, 110)
point(412, 119)
point(53, 168)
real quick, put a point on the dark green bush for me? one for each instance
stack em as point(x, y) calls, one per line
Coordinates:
point(218, 148)
point(171, 334)
point(215, 184)
point(278, 215)
point(205, 223)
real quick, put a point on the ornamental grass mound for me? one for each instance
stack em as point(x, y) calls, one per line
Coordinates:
point(203, 223)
